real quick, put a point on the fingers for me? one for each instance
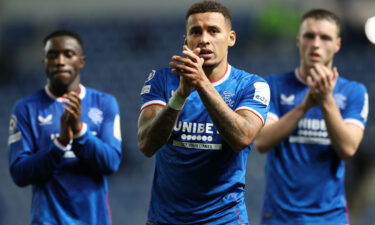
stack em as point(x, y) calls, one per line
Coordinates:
point(195, 51)
point(66, 133)
point(182, 63)
point(187, 64)
point(73, 111)
point(73, 103)
point(321, 78)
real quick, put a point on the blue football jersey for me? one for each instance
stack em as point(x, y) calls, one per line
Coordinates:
point(69, 184)
point(198, 178)
point(304, 174)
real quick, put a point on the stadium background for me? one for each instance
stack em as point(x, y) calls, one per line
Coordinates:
point(124, 40)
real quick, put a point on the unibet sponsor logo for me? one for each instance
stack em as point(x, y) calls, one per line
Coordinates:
point(312, 124)
point(193, 134)
point(311, 131)
point(190, 127)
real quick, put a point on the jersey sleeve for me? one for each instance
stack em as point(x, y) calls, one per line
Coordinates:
point(357, 106)
point(274, 111)
point(152, 91)
point(29, 165)
point(103, 151)
point(256, 98)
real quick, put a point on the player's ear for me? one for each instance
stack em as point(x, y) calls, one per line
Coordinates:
point(232, 38)
point(82, 61)
point(338, 44)
point(298, 40)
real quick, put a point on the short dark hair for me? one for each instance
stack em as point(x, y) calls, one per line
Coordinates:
point(322, 14)
point(59, 33)
point(209, 6)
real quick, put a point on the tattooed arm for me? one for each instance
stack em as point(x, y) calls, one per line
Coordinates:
point(237, 128)
point(155, 125)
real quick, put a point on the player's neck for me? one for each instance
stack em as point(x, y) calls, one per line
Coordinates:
point(304, 70)
point(215, 73)
point(59, 90)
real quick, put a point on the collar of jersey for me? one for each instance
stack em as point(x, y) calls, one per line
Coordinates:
point(224, 77)
point(82, 93)
point(298, 76)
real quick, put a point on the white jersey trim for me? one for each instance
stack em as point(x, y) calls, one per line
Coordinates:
point(82, 131)
point(223, 78)
point(298, 77)
point(62, 147)
point(82, 93)
point(355, 122)
point(272, 116)
point(252, 110)
point(154, 102)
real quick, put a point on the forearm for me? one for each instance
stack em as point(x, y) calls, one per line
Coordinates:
point(155, 128)
point(344, 140)
point(237, 131)
point(37, 167)
point(276, 131)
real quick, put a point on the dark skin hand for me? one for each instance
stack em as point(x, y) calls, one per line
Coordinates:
point(71, 118)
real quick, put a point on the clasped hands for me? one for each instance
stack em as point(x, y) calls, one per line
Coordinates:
point(189, 67)
point(70, 121)
point(322, 81)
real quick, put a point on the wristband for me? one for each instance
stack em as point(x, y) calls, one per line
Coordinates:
point(176, 102)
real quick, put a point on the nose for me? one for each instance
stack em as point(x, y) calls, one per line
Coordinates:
point(316, 42)
point(205, 39)
point(60, 59)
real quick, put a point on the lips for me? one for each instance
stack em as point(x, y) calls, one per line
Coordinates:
point(205, 53)
point(54, 72)
point(314, 56)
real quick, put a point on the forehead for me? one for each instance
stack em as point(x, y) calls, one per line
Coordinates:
point(320, 26)
point(206, 19)
point(62, 43)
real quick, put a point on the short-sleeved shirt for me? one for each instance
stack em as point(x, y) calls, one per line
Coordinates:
point(304, 174)
point(198, 177)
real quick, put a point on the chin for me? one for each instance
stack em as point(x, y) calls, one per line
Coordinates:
point(208, 64)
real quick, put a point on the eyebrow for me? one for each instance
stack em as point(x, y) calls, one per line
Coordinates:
point(199, 27)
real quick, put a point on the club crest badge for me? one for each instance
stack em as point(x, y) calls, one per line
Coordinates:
point(96, 115)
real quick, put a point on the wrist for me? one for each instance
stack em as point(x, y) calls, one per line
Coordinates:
point(82, 131)
point(328, 102)
point(177, 102)
point(62, 141)
point(78, 129)
point(304, 107)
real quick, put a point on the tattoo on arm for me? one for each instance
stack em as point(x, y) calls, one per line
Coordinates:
point(237, 128)
point(155, 128)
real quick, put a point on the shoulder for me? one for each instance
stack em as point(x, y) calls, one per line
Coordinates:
point(244, 76)
point(283, 77)
point(31, 99)
point(94, 93)
point(159, 72)
point(351, 84)
point(157, 75)
point(351, 89)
